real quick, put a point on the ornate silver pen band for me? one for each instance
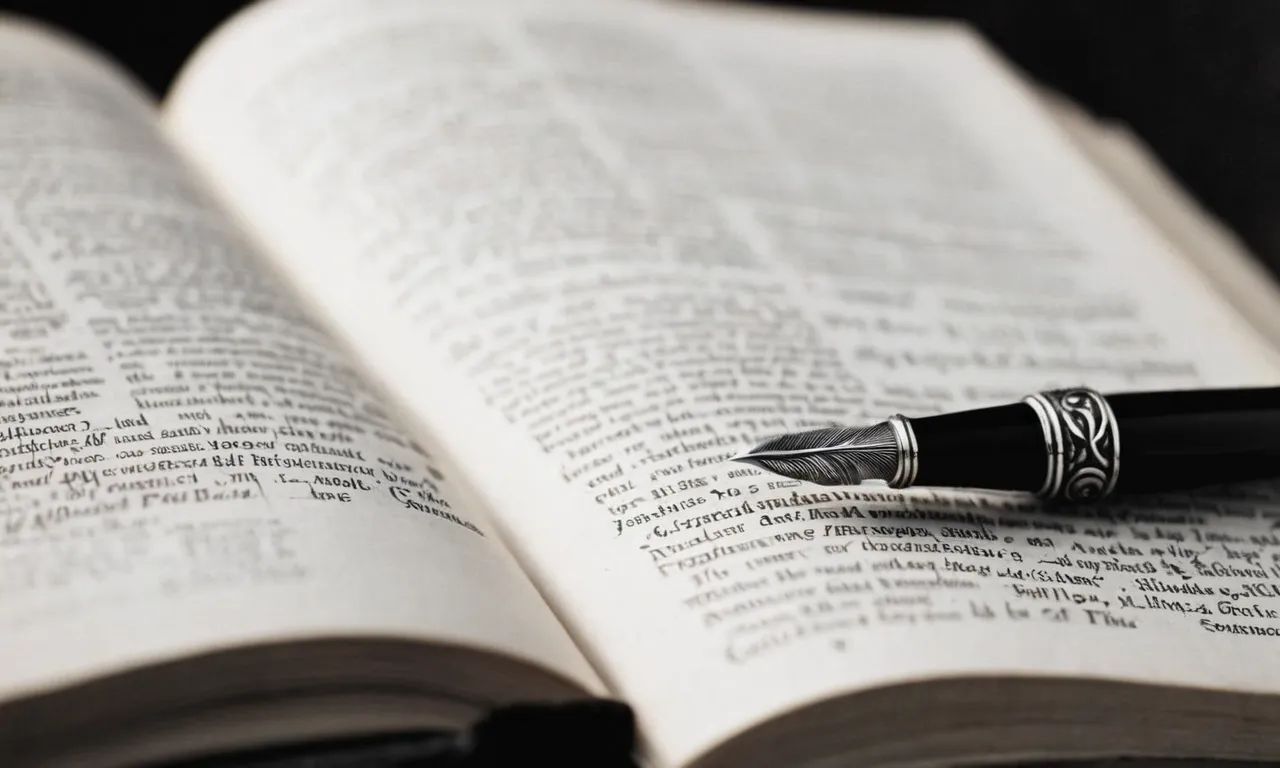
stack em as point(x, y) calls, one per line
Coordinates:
point(1082, 442)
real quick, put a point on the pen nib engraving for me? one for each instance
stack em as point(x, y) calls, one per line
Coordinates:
point(829, 456)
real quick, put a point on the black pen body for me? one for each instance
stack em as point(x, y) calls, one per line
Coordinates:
point(1170, 440)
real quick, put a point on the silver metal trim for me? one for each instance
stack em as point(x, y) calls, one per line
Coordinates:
point(1110, 417)
point(1043, 408)
point(1082, 444)
point(908, 452)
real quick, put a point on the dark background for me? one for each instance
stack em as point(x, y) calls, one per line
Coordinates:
point(1199, 80)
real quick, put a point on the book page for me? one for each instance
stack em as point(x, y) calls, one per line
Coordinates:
point(187, 462)
point(600, 247)
point(1217, 253)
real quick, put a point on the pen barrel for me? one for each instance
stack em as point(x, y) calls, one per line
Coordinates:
point(1186, 439)
point(1173, 440)
point(1000, 448)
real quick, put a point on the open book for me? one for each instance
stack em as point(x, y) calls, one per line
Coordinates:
point(387, 372)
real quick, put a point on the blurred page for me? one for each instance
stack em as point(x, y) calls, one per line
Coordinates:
point(1208, 244)
point(187, 462)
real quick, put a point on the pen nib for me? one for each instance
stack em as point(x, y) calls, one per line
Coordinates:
point(829, 456)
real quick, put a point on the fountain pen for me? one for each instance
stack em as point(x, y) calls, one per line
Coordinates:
point(1063, 445)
